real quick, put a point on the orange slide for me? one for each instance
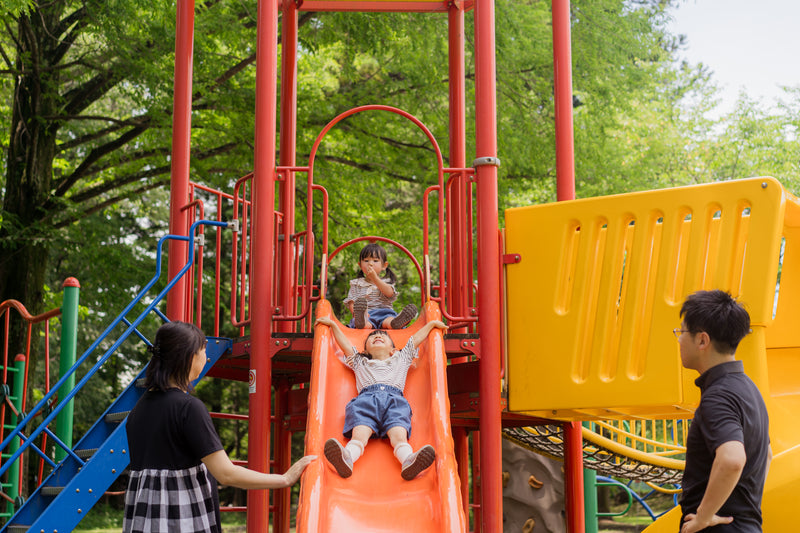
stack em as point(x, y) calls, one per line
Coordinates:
point(375, 498)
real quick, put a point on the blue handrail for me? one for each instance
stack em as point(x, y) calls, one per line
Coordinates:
point(604, 480)
point(131, 328)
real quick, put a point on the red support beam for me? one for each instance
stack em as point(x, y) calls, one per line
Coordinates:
point(461, 448)
point(477, 479)
point(286, 285)
point(573, 477)
point(565, 190)
point(488, 268)
point(460, 234)
point(181, 140)
point(281, 522)
point(562, 72)
point(262, 258)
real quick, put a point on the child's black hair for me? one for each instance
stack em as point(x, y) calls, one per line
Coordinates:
point(172, 352)
point(375, 332)
point(374, 249)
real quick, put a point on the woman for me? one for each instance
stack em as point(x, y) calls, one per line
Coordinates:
point(174, 446)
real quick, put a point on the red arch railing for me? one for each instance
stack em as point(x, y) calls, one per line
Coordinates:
point(303, 290)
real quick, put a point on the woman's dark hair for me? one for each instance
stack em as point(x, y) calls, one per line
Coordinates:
point(172, 354)
point(717, 313)
point(375, 332)
point(374, 249)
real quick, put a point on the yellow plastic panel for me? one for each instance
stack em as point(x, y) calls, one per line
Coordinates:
point(592, 303)
point(784, 332)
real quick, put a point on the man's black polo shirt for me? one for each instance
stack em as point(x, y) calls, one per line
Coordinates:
point(731, 409)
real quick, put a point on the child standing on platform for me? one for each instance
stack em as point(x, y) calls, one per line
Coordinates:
point(371, 295)
point(380, 409)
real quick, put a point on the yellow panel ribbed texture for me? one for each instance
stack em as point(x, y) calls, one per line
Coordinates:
point(592, 304)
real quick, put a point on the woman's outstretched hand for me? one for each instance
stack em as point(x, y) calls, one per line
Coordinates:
point(296, 470)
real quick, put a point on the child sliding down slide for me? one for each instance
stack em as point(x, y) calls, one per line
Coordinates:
point(380, 409)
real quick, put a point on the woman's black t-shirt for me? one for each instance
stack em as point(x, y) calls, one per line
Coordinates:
point(170, 430)
point(170, 489)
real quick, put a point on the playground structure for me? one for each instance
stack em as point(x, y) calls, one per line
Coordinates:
point(608, 274)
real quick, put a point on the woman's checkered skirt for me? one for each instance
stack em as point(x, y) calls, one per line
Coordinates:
point(162, 501)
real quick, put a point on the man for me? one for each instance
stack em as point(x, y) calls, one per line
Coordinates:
point(727, 450)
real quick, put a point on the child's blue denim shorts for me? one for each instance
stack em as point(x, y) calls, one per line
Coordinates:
point(376, 317)
point(379, 407)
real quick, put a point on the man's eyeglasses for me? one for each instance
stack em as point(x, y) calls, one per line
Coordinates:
point(677, 332)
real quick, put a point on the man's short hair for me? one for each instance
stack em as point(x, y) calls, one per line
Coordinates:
point(716, 312)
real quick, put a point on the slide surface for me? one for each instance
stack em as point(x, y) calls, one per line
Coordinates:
point(375, 498)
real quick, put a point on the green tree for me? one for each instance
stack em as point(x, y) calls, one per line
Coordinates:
point(89, 119)
point(755, 141)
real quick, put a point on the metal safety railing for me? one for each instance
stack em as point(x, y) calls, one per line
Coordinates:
point(297, 284)
point(15, 384)
point(104, 339)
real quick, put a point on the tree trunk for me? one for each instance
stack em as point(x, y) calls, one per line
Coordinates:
point(24, 236)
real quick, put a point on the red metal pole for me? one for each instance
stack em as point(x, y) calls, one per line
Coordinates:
point(477, 479)
point(573, 474)
point(562, 72)
point(262, 257)
point(181, 141)
point(565, 186)
point(288, 148)
point(286, 279)
point(459, 233)
point(461, 448)
point(488, 267)
point(281, 523)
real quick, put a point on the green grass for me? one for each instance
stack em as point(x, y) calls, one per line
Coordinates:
point(103, 518)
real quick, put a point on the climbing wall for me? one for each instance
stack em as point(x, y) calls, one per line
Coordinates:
point(533, 491)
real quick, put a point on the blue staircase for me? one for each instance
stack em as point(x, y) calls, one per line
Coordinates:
point(97, 460)
point(101, 455)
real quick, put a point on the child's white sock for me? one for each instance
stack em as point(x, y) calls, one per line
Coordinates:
point(403, 450)
point(356, 448)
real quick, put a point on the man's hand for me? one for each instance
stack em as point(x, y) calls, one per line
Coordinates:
point(692, 524)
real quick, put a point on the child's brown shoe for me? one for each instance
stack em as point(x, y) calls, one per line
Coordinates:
point(417, 462)
point(359, 313)
point(339, 458)
point(408, 314)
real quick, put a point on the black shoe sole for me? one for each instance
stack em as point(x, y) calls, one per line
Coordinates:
point(334, 453)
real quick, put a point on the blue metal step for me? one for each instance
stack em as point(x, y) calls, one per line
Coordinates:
point(67, 495)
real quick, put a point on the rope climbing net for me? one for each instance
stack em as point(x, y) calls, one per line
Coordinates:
point(649, 451)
